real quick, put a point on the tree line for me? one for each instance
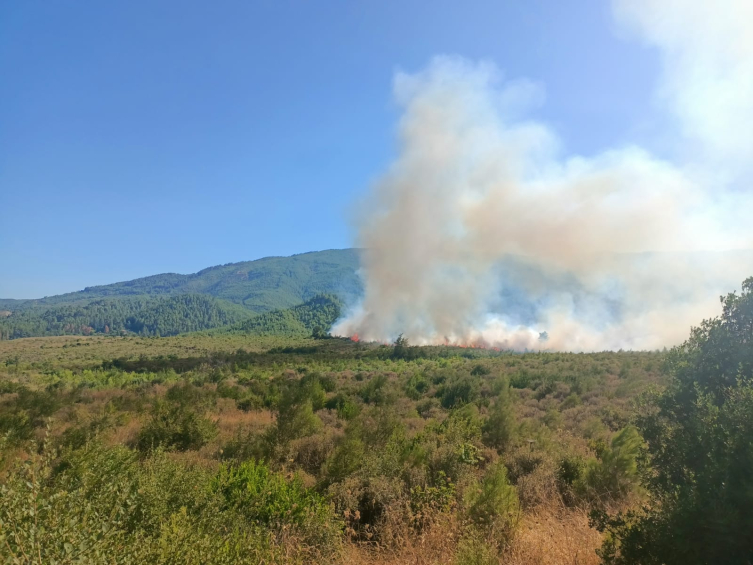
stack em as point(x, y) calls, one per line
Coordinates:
point(143, 315)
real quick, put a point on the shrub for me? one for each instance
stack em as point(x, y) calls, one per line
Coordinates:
point(376, 391)
point(99, 505)
point(175, 427)
point(698, 435)
point(473, 549)
point(571, 401)
point(427, 407)
point(500, 429)
point(426, 501)
point(296, 421)
point(189, 395)
point(416, 386)
point(458, 392)
point(346, 407)
point(615, 473)
point(346, 458)
point(268, 498)
point(20, 416)
point(493, 505)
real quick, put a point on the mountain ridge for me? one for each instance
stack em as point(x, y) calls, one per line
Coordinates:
point(260, 285)
point(214, 297)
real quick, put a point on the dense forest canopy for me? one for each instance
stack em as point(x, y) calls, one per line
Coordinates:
point(141, 315)
point(173, 315)
point(315, 315)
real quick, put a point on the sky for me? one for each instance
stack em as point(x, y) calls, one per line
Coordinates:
point(168, 136)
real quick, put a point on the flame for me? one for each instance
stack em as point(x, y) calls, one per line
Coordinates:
point(355, 338)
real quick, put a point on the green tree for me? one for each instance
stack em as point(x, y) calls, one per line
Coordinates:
point(699, 439)
point(500, 428)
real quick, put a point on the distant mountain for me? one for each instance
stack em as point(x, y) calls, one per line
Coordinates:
point(237, 292)
point(262, 285)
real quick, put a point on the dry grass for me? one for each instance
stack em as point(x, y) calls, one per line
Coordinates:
point(554, 536)
point(231, 419)
point(435, 546)
point(546, 536)
point(125, 434)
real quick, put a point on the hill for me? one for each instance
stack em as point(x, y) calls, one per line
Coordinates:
point(144, 316)
point(262, 285)
point(299, 321)
point(218, 296)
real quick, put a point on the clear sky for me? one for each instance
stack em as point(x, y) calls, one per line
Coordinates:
point(168, 136)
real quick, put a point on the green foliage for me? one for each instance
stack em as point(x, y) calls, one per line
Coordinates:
point(698, 435)
point(500, 428)
point(376, 391)
point(219, 296)
point(268, 498)
point(319, 312)
point(473, 549)
point(22, 414)
point(102, 506)
point(493, 505)
point(392, 447)
point(427, 500)
point(615, 473)
point(345, 406)
point(143, 315)
point(459, 391)
point(174, 426)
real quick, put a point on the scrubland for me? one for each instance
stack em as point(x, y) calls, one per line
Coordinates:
point(230, 449)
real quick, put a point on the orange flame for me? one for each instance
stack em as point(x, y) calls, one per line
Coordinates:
point(354, 337)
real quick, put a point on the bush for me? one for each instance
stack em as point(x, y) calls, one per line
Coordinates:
point(473, 549)
point(500, 429)
point(458, 392)
point(493, 505)
point(99, 505)
point(416, 386)
point(615, 473)
point(25, 413)
point(698, 435)
point(296, 421)
point(268, 498)
point(346, 407)
point(175, 427)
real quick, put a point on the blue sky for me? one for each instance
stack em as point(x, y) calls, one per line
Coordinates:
point(145, 137)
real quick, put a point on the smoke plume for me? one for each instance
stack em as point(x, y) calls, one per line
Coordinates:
point(484, 231)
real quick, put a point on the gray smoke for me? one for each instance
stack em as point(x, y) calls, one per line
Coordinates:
point(484, 232)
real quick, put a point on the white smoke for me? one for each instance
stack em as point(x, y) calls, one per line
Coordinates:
point(606, 249)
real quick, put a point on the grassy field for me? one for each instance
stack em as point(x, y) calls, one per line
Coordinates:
point(356, 453)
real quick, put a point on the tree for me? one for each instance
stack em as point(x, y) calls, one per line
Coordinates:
point(699, 436)
point(319, 333)
point(500, 428)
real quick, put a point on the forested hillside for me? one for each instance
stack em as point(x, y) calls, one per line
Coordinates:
point(170, 303)
point(142, 315)
point(262, 285)
point(319, 314)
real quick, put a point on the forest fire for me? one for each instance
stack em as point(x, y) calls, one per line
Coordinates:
point(472, 345)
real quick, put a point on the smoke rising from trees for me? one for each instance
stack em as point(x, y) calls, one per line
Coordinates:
point(622, 249)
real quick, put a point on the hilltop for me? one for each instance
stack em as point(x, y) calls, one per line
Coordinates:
point(262, 285)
